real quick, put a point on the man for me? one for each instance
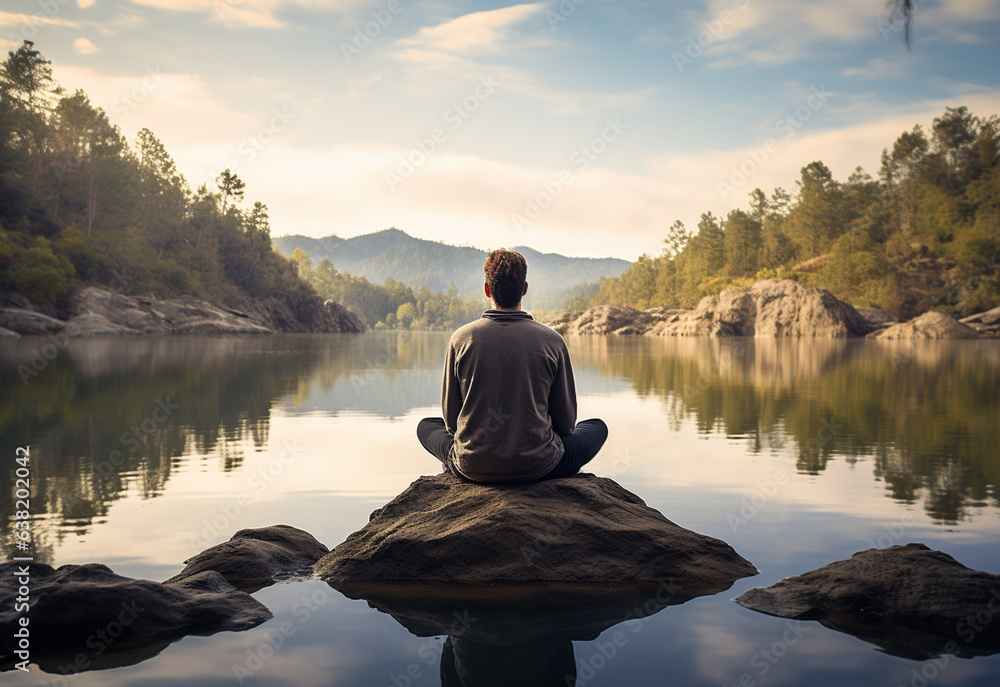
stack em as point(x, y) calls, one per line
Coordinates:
point(508, 398)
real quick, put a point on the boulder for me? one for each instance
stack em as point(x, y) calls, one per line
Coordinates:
point(581, 529)
point(88, 617)
point(930, 325)
point(256, 558)
point(909, 600)
point(29, 322)
point(773, 308)
point(986, 323)
point(344, 320)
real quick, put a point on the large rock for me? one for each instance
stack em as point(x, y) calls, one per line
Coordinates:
point(581, 528)
point(876, 317)
point(94, 311)
point(910, 600)
point(930, 325)
point(29, 322)
point(986, 323)
point(255, 558)
point(88, 617)
point(344, 320)
point(772, 308)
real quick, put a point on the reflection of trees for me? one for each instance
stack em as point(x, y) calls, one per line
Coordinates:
point(77, 414)
point(928, 414)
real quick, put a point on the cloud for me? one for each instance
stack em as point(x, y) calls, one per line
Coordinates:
point(489, 31)
point(84, 4)
point(600, 212)
point(85, 47)
point(251, 13)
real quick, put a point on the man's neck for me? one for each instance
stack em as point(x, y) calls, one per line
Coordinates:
point(516, 308)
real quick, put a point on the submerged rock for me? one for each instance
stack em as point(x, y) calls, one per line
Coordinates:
point(581, 528)
point(84, 617)
point(930, 325)
point(255, 558)
point(909, 600)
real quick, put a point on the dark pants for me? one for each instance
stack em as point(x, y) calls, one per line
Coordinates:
point(579, 448)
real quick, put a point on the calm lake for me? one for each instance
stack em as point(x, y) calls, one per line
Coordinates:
point(797, 453)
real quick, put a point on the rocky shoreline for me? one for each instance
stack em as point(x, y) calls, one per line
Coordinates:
point(775, 308)
point(93, 311)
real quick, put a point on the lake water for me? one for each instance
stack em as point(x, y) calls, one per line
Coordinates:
point(797, 453)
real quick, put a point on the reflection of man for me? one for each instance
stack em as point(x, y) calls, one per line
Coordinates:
point(508, 400)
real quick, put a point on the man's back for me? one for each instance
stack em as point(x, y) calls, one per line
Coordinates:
point(508, 396)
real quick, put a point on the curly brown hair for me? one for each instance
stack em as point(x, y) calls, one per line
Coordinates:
point(506, 272)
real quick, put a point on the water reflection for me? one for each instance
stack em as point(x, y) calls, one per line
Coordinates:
point(111, 417)
point(106, 417)
point(927, 414)
point(499, 635)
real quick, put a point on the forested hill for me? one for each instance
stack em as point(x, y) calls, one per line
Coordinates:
point(417, 262)
point(923, 235)
point(81, 206)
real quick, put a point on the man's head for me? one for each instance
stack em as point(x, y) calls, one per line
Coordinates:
point(505, 273)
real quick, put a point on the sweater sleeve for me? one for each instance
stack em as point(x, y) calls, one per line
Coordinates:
point(562, 397)
point(451, 392)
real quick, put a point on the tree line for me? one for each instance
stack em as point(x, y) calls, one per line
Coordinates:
point(79, 205)
point(924, 235)
point(392, 305)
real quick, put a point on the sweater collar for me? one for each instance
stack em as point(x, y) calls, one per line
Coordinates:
point(502, 315)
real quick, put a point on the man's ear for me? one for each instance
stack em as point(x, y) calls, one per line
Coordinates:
point(525, 289)
point(486, 290)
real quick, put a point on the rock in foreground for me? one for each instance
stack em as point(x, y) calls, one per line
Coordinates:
point(581, 528)
point(909, 600)
point(86, 616)
point(255, 558)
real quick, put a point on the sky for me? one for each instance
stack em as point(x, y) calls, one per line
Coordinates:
point(583, 127)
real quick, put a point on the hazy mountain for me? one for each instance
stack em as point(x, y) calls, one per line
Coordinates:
point(417, 262)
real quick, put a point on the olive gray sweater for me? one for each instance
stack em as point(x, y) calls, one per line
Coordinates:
point(508, 396)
